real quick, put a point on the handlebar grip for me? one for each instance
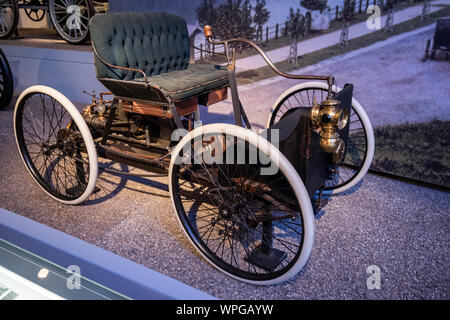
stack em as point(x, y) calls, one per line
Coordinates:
point(208, 31)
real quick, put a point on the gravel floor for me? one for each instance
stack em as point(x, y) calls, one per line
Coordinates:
point(401, 228)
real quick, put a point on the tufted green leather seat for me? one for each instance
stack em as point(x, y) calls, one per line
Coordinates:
point(158, 44)
point(193, 81)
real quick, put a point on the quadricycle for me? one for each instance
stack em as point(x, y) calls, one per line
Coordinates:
point(245, 200)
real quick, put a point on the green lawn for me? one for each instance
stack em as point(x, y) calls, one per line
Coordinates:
point(418, 151)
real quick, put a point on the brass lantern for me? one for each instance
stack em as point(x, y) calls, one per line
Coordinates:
point(326, 118)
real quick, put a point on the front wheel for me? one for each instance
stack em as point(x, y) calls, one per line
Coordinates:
point(55, 144)
point(241, 204)
point(71, 19)
point(361, 139)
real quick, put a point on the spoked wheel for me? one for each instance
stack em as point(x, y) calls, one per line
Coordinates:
point(34, 14)
point(9, 17)
point(6, 82)
point(361, 141)
point(71, 19)
point(248, 214)
point(55, 144)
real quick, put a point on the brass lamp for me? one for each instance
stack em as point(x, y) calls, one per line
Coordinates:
point(326, 118)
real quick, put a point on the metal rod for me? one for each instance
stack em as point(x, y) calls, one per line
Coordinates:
point(235, 97)
point(132, 174)
point(267, 60)
point(109, 122)
point(208, 51)
point(119, 67)
point(119, 137)
point(244, 116)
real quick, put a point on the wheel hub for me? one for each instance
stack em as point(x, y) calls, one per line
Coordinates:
point(65, 142)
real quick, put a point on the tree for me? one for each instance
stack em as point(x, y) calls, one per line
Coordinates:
point(296, 28)
point(260, 18)
point(425, 10)
point(349, 9)
point(347, 15)
point(234, 20)
point(207, 15)
point(312, 5)
point(390, 7)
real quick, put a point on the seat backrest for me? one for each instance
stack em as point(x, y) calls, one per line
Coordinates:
point(153, 42)
point(442, 33)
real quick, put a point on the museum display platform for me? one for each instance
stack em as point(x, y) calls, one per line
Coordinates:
point(38, 262)
point(42, 38)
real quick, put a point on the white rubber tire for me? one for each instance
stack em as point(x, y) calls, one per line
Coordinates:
point(84, 130)
point(288, 170)
point(362, 115)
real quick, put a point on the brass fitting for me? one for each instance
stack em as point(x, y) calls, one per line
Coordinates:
point(326, 118)
point(207, 30)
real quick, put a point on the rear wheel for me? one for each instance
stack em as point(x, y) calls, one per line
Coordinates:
point(55, 144)
point(250, 222)
point(34, 14)
point(361, 141)
point(71, 19)
point(6, 82)
point(9, 17)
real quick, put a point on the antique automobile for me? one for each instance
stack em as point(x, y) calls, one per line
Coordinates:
point(70, 18)
point(245, 200)
point(6, 81)
point(441, 39)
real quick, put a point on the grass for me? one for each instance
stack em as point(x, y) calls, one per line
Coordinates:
point(418, 151)
point(332, 51)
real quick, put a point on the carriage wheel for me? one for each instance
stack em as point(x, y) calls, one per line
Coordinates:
point(55, 144)
point(6, 82)
point(9, 17)
point(35, 15)
point(360, 144)
point(253, 225)
point(71, 19)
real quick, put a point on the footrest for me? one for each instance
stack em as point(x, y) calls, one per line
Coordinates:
point(267, 259)
point(75, 190)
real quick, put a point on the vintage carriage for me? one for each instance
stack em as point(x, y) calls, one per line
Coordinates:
point(244, 200)
point(70, 18)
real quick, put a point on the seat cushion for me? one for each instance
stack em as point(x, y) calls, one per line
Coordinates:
point(153, 42)
point(192, 81)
